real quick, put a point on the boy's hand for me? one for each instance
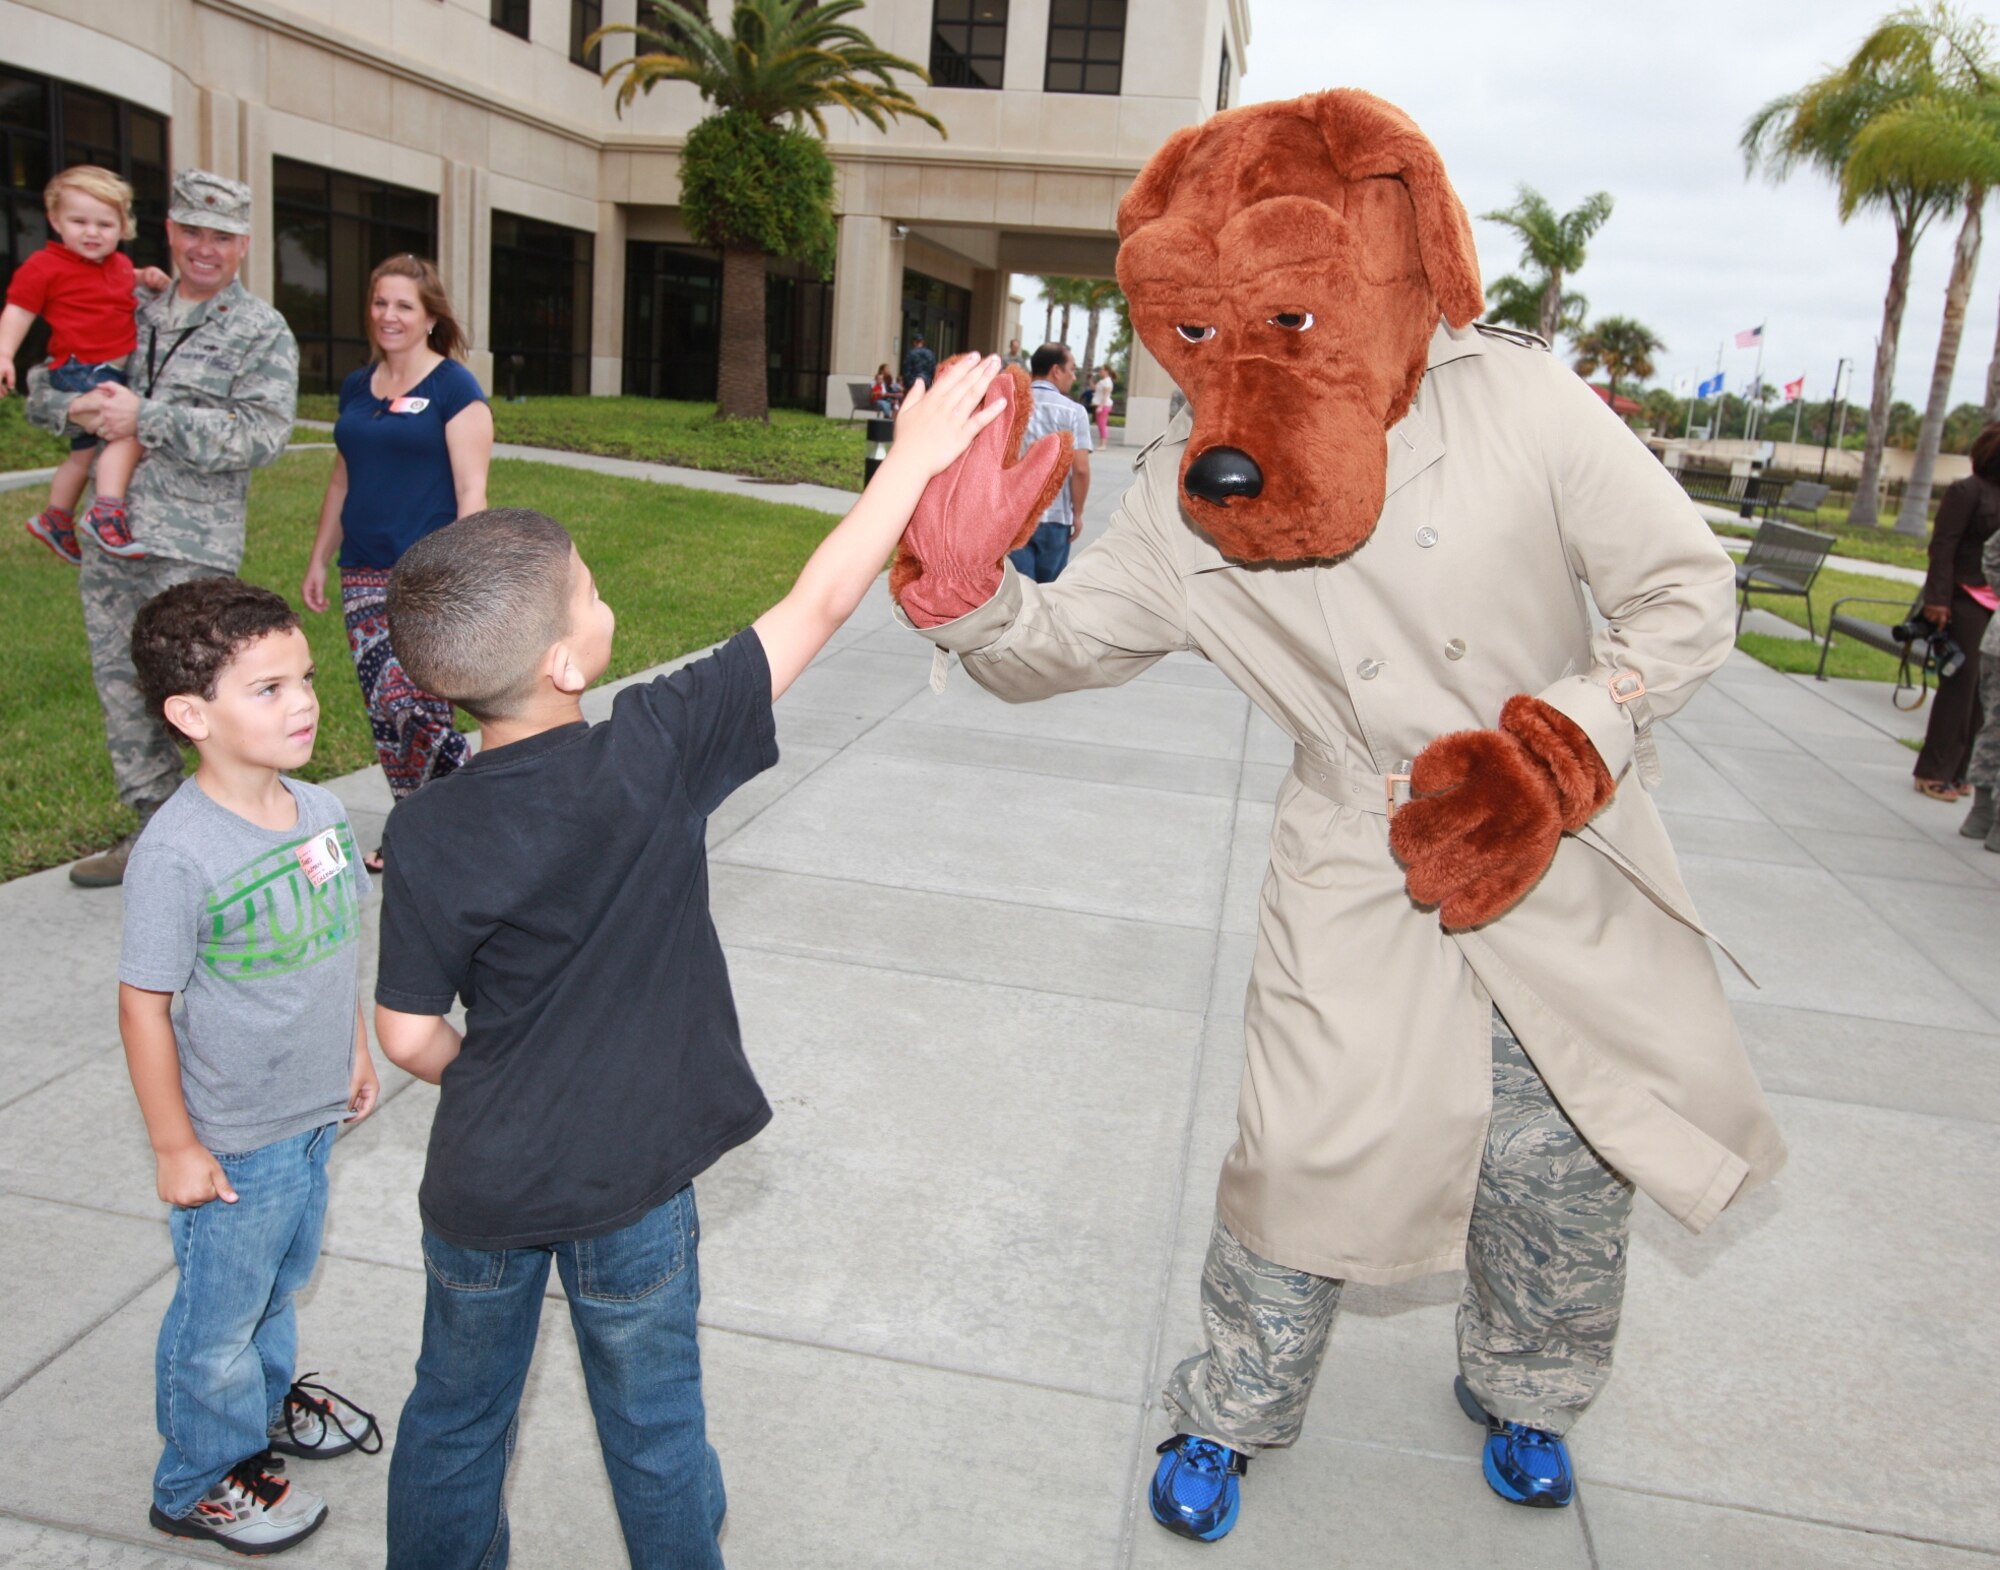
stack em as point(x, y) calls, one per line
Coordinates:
point(363, 1088)
point(985, 504)
point(6, 375)
point(938, 422)
point(191, 1176)
point(153, 280)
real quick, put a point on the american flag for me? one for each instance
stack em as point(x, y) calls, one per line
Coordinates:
point(1750, 337)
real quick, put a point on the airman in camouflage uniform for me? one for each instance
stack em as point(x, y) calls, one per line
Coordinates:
point(1545, 1277)
point(214, 385)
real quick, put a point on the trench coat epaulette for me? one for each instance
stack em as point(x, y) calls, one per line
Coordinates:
point(1519, 335)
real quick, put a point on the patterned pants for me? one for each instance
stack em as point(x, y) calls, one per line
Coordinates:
point(1545, 1278)
point(414, 736)
point(1985, 766)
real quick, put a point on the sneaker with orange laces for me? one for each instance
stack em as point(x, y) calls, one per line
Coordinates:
point(318, 1424)
point(106, 526)
point(56, 528)
point(251, 1511)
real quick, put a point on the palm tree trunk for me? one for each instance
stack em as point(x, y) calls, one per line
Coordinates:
point(1090, 340)
point(1914, 516)
point(1993, 383)
point(1065, 326)
point(742, 385)
point(1552, 299)
point(1048, 320)
point(1866, 513)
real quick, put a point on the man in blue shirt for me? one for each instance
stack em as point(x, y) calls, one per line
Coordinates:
point(1047, 551)
point(919, 365)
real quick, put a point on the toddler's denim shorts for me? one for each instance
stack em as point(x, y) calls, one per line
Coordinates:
point(74, 377)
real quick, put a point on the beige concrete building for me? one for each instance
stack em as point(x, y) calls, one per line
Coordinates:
point(473, 130)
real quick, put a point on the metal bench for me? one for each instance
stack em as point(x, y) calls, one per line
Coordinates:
point(1876, 635)
point(863, 394)
point(1800, 496)
point(1782, 559)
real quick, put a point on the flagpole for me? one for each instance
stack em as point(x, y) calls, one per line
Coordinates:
point(1757, 388)
point(1799, 413)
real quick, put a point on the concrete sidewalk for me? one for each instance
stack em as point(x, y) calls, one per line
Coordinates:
point(990, 963)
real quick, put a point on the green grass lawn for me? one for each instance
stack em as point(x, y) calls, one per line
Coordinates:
point(1877, 545)
point(681, 568)
point(1848, 657)
point(794, 446)
point(24, 447)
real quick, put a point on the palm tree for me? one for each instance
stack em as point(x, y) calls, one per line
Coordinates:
point(1064, 293)
point(1619, 346)
point(1515, 301)
point(1101, 295)
point(1948, 137)
point(1817, 125)
point(1552, 244)
point(754, 183)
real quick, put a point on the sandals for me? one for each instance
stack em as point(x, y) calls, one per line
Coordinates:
point(1938, 790)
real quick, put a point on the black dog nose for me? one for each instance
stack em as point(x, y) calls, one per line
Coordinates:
point(1222, 473)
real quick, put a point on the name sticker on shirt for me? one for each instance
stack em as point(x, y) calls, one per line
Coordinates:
point(322, 858)
point(408, 405)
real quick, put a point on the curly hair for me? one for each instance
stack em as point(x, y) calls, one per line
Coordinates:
point(184, 636)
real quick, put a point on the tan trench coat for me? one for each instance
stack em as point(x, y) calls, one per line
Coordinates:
point(1365, 1095)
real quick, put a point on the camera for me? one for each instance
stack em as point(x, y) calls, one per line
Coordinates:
point(1941, 651)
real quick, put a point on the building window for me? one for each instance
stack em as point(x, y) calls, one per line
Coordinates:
point(1086, 46)
point(541, 314)
point(585, 18)
point(511, 16)
point(654, 20)
point(673, 311)
point(968, 43)
point(1222, 81)
point(47, 125)
point(330, 230)
point(942, 312)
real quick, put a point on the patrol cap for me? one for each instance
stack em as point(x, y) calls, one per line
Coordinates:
point(208, 201)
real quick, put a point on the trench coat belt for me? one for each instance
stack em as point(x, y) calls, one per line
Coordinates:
point(1345, 787)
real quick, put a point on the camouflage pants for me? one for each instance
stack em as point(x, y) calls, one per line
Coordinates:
point(145, 760)
point(1545, 1277)
point(1985, 766)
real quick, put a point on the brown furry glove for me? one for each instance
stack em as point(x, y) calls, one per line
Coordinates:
point(985, 505)
point(1488, 807)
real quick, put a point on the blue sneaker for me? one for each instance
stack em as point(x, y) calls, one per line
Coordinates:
point(1523, 1465)
point(1195, 1490)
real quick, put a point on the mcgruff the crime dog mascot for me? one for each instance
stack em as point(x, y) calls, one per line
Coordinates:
point(1482, 1007)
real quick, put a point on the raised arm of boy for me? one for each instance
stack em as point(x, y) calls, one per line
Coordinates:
point(936, 424)
point(187, 1173)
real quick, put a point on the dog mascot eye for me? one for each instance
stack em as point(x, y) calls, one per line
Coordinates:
point(1195, 334)
point(1293, 321)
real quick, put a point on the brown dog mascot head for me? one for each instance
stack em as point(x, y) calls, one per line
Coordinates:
point(1287, 263)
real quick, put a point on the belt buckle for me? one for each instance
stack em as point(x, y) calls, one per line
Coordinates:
point(1391, 781)
point(1625, 686)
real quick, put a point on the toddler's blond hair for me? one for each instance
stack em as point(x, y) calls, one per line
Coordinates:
point(93, 181)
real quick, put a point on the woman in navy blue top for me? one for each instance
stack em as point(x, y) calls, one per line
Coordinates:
point(415, 438)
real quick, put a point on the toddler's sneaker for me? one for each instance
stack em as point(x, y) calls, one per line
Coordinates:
point(1195, 1490)
point(56, 529)
point(1523, 1465)
point(249, 1512)
point(318, 1424)
point(106, 526)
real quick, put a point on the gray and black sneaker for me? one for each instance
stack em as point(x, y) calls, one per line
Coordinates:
point(250, 1511)
point(319, 1424)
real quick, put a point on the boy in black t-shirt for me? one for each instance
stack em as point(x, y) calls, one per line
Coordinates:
point(558, 884)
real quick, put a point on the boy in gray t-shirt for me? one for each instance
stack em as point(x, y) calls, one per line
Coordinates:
point(243, 896)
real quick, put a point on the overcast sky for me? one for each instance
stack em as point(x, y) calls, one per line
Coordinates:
point(1648, 104)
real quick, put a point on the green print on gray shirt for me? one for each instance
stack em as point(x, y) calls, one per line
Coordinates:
point(266, 963)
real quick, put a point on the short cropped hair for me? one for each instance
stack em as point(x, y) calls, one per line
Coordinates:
point(184, 636)
point(93, 181)
point(1986, 454)
point(1048, 357)
point(475, 606)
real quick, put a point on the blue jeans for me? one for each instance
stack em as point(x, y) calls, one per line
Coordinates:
point(76, 378)
point(632, 1298)
point(230, 1339)
point(1045, 555)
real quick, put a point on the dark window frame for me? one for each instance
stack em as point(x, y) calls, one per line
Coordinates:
point(1099, 47)
point(512, 17)
point(327, 353)
point(529, 358)
point(30, 156)
point(585, 18)
point(1223, 84)
point(957, 66)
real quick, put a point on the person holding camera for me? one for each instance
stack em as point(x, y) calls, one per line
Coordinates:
point(1958, 599)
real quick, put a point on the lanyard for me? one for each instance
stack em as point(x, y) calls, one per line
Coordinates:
point(152, 347)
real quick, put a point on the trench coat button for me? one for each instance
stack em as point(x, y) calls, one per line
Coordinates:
point(1455, 650)
point(1368, 670)
point(1427, 536)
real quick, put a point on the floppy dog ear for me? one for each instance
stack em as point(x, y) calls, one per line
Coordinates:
point(1150, 193)
point(1369, 136)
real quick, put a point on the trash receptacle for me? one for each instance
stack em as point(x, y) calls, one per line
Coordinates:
point(880, 434)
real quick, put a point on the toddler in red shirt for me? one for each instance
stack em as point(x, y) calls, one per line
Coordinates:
point(83, 286)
